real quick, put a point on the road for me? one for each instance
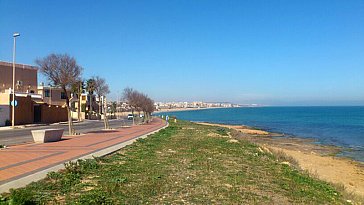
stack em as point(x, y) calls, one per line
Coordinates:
point(23, 135)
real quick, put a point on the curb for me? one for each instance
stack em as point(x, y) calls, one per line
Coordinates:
point(22, 182)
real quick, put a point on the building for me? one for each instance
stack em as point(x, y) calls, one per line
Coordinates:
point(179, 105)
point(57, 97)
point(31, 106)
point(25, 77)
point(83, 106)
point(52, 95)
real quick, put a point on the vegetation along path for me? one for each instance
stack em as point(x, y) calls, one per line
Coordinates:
point(185, 163)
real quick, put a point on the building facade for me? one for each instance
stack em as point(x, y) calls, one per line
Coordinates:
point(25, 77)
point(53, 95)
point(31, 106)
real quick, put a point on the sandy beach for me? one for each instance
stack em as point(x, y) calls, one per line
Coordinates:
point(318, 160)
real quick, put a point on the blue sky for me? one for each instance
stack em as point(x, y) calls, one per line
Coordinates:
point(267, 52)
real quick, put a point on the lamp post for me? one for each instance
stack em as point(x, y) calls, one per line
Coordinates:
point(50, 95)
point(13, 103)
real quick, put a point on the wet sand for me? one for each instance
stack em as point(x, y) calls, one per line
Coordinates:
point(319, 160)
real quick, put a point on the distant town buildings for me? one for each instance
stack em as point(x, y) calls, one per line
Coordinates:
point(176, 105)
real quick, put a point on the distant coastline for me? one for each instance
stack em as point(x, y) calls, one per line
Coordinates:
point(303, 122)
point(186, 109)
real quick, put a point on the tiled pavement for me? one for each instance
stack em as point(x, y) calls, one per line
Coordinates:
point(24, 160)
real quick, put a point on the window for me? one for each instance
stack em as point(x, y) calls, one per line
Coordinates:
point(63, 95)
point(47, 93)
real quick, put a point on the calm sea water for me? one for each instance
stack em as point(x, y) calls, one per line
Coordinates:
point(340, 126)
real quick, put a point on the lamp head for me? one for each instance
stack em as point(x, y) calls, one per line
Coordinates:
point(16, 34)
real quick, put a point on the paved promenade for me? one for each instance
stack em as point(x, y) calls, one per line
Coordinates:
point(22, 163)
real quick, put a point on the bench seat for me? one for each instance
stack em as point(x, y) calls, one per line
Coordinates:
point(47, 135)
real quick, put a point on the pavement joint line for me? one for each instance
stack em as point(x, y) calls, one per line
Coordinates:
point(111, 139)
point(32, 160)
point(28, 150)
point(68, 137)
point(41, 173)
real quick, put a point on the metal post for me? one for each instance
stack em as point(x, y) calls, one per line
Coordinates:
point(117, 107)
point(50, 95)
point(13, 100)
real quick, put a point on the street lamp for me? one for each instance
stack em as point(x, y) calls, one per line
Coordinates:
point(50, 96)
point(13, 103)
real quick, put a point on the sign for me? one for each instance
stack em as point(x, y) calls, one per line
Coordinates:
point(16, 103)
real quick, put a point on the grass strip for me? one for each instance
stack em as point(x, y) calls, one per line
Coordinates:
point(185, 163)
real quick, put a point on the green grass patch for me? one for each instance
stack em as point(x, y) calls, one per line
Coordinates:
point(184, 163)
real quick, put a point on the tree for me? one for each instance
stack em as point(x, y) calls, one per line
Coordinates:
point(63, 71)
point(130, 96)
point(90, 88)
point(102, 89)
point(147, 106)
point(138, 101)
point(113, 107)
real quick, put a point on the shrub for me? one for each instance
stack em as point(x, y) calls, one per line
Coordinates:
point(22, 196)
point(7, 122)
point(83, 107)
point(95, 197)
point(222, 131)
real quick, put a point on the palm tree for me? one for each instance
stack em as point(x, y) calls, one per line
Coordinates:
point(90, 87)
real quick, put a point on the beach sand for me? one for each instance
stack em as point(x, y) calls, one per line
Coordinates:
point(318, 160)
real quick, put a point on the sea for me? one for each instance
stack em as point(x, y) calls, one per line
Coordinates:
point(340, 126)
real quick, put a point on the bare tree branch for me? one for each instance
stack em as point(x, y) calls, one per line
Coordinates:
point(63, 71)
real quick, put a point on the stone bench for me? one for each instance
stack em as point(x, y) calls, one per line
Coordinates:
point(47, 135)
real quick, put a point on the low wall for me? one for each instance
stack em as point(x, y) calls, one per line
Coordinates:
point(53, 114)
point(4, 114)
point(74, 115)
point(24, 111)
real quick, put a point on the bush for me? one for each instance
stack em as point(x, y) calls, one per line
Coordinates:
point(7, 123)
point(95, 197)
point(22, 196)
point(83, 107)
point(222, 131)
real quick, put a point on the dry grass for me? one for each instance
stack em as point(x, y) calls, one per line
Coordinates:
point(184, 164)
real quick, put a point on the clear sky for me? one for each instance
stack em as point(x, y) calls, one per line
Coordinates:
point(268, 52)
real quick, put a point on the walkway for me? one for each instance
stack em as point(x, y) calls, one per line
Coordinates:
point(19, 165)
